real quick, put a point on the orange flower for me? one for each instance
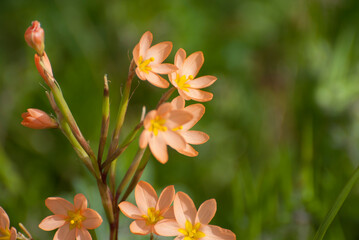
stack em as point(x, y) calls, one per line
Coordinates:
point(73, 220)
point(160, 130)
point(37, 119)
point(150, 209)
point(190, 136)
point(190, 224)
point(184, 79)
point(5, 232)
point(34, 36)
point(149, 60)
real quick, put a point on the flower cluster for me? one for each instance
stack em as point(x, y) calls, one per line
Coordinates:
point(170, 123)
point(156, 215)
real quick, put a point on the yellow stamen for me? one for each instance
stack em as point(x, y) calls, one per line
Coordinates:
point(177, 128)
point(75, 219)
point(5, 234)
point(182, 82)
point(143, 65)
point(191, 232)
point(157, 124)
point(152, 216)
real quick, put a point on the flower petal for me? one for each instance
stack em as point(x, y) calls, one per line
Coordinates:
point(136, 53)
point(146, 196)
point(206, 211)
point(184, 209)
point(4, 219)
point(13, 233)
point(64, 232)
point(157, 80)
point(169, 213)
point(192, 64)
point(145, 43)
point(141, 75)
point(199, 95)
point(159, 52)
point(144, 138)
point(180, 58)
point(158, 148)
point(178, 103)
point(167, 227)
point(130, 210)
point(178, 118)
point(163, 109)
point(164, 68)
point(52, 222)
point(197, 110)
point(216, 233)
point(83, 234)
point(165, 199)
point(195, 137)
point(140, 227)
point(93, 219)
point(174, 140)
point(80, 201)
point(188, 151)
point(59, 206)
point(202, 82)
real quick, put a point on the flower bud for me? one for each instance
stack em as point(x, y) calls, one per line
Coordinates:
point(37, 119)
point(45, 66)
point(34, 36)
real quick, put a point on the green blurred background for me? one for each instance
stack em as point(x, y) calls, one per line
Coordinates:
point(283, 122)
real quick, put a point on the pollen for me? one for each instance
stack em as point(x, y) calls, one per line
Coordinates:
point(153, 216)
point(75, 219)
point(143, 64)
point(183, 82)
point(191, 232)
point(157, 124)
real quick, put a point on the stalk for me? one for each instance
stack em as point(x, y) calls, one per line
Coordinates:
point(105, 121)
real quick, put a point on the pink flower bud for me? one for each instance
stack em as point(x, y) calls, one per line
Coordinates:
point(45, 66)
point(34, 36)
point(37, 119)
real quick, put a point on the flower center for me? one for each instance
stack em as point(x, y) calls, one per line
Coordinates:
point(191, 232)
point(4, 234)
point(182, 82)
point(157, 124)
point(152, 216)
point(75, 219)
point(143, 65)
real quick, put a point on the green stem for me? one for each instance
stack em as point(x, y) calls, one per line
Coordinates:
point(337, 205)
point(105, 120)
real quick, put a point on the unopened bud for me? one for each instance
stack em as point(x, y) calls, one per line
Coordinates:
point(34, 36)
point(43, 65)
point(37, 119)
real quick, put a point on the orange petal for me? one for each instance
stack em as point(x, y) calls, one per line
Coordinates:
point(184, 209)
point(183, 94)
point(59, 206)
point(195, 137)
point(199, 95)
point(93, 219)
point(164, 68)
point(159, 52)
point(144, 138)
point(145, 43)
point(206, 211)
point(140, 227)
point(197, 110)
point(130, 210)
point(83, 234)
point(216, 233)
point(174, 140)
point(141, 75)
point(80, 201)
point(169, 213)
point(136, 53)
point(180, 58)
point(163, 109)
point(13, 233)
point(146, 196)
point(52, 222)
point(150, 115)
point(64, 232)
point(193, 64)
point(202, 82)
point(158, 148)
point(188, 151)
point(178, 118)
point(4, 219)
point(167, 227)
point(165, 199)
point(178, 103)
point(157, 80)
